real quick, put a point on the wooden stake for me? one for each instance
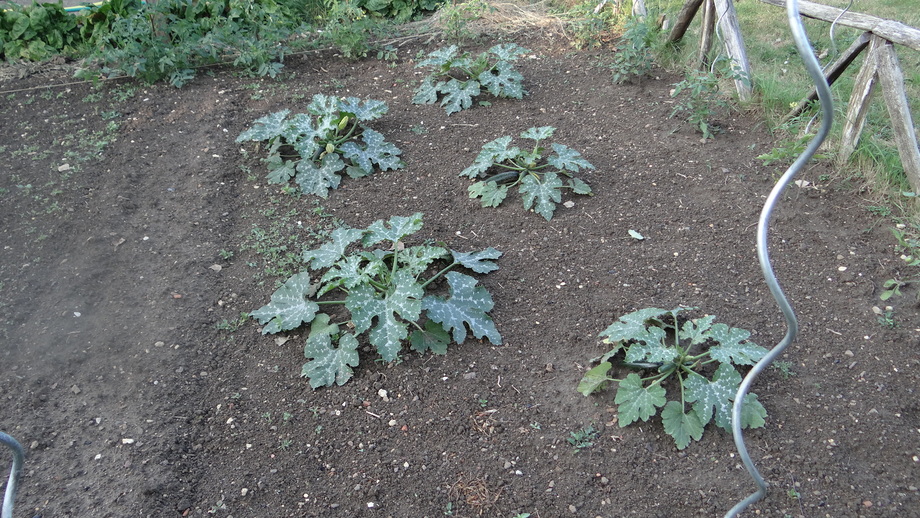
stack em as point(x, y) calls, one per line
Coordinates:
point(892, 80)
point(858, 107)
point(734, 45)
point(709, 25)
point(684, 18)
point(833, 73)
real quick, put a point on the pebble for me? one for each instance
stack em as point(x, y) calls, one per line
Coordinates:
point(244, 491)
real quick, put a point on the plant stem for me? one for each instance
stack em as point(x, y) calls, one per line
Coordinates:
point(440, 273)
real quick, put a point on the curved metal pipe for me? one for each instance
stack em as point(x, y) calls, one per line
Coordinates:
point(827, 109)
point(18, 458)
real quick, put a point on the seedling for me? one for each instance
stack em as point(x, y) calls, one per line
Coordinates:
point(330, 138)
point(584, 438)
point(385, 287)
point(634, 54)
point(460, 77)
point(655, 342)
point(538, 178)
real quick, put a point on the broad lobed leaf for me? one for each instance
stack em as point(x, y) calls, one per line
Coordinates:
point(267, 127)
point(313, 178)
point(458, 95)
point(331, 251)
point(479, 262)
point(393, 230)
point(568, 159)
point(402, 299)
point(329, 364)
point(466, 305)
point(683, 427)
point(490, 193)
point(733, 346)
point(363, 110)
point(636, 401)
point(289, 306)
point(595, 379)
point(542, 195)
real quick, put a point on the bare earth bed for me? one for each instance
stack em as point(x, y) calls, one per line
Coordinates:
point(131, 401)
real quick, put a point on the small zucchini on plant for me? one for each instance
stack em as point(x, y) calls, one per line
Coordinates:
point(313, 148)
point(539, 179)
point(460, 77)
point(654, 342)
point(385, 285)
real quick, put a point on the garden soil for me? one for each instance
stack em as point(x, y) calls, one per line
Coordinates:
point(134, 231)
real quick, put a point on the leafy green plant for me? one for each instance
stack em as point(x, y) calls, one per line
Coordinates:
point(456, 16)
point(537, 177)
point(328, 139)
point(908, 238)
point(460, 77)
point(654, 341)
point(169, 39)
point(700, 98)
point(590, 23)
point(634, 49)
point(385, 285)
point(36, 32)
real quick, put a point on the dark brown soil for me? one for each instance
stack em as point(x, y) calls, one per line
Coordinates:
point(131, 402)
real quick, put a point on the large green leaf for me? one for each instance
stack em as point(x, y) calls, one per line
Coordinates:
point(432, 337)
point(417, 259)
point(439, 57)
point(458, 95)
point(402, 299)
point(508, 51)
point(651, 348)
point(542, 196)
point(467, 305)
point(324, 105)
point(494, 152)
point(329, 364)
point(714, 398)
point(733, 346)
point(289, 306)
point(393, 230)
point(568, 159)
point(595, 379)
point(681, 426)
point(350, 272)
point(539, 133)
point(490, 193)
point(636, 401)
point(427, 92)
point(375, 151)
point(752, 412)
point(479, 262)
point(632, 325)
point(503, 81)
point(330, 252)
point(265, 128)
point(316, 178)
point(363, 110)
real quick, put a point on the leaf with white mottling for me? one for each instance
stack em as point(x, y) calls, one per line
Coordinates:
point(289, 306)
point(467, 305)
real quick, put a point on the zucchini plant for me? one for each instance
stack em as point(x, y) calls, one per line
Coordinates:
point(539, 179)
point(388, 290)
point(699, 357)
point(460, 77)
point(313, 148)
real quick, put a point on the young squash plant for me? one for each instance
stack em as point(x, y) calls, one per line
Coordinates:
point(539, 179)
point(313, 148)
point(654, 342)
point(460, 77)
point(386, 287)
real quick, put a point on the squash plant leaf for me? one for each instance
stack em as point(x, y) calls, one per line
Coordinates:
point(503, 80)
point(578, 186)
point(632, 325)
point(427, 92)
point(652, 348)
point(458, 95)
point(329, 364)
point(479, 262)
point(508, 51)
point(595, 379)
point(403, 299)
point(541, 133)
point(417, 259)
point(733, 346)
point(714, 398)
point(265, 128)
point(568, 159)
point(375, 151)
point(466, 305)
point(363, 110)
point(683, 427)
point(439, 57)
point(432, 337)
point(313, 178)
point(636, 401)
point(327, 254)
point(542, 196)
point(280, 171)
point(289, 306)
point(752, 412)
point(393, 230)
point(490, 193)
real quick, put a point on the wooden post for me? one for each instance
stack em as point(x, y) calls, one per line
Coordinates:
point(734, 45)
point(684, 17)
point(892, 81)
point(858, 107)
point(638, 8)
point(709, 25)
point(833, 73)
